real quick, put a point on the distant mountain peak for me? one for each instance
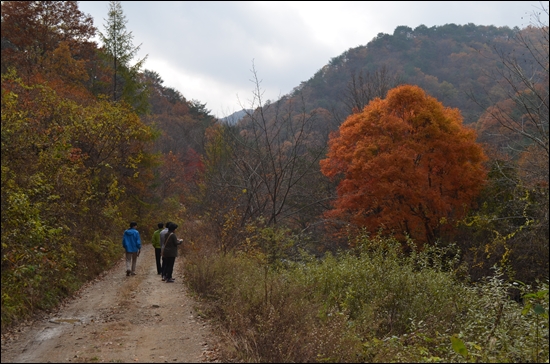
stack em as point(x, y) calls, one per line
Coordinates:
point(235, 117)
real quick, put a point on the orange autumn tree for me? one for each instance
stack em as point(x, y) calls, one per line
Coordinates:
point(408, 166)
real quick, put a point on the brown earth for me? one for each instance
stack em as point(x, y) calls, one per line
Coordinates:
point(117, 318)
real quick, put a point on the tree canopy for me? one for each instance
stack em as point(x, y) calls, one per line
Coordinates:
point(118, 46)
point(407, 164)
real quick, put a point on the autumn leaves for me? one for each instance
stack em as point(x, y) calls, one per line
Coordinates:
point(407, 166)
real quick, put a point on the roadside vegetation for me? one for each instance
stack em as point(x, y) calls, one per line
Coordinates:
point(372, 303)
point(394, 207)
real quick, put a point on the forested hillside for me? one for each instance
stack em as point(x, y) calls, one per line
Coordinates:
point(90, 141)
point(393, 207)
point(455, 63)
point(496, 77)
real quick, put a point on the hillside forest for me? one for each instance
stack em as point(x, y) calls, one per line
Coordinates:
point(393, 207)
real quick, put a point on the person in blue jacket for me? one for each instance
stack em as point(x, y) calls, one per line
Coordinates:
point(132, 244)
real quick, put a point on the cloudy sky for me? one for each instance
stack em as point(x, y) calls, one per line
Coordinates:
point(206, 50)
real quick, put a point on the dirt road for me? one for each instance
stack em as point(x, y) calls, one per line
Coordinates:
point(118, 319)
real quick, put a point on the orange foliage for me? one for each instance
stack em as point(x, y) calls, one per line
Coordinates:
point(32, 29)
point(173, 176)
point(408, 166)
point(193, 165)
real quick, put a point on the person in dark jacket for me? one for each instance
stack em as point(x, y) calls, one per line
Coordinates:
point(170, 252)
point(132, 245)
point(162, 239)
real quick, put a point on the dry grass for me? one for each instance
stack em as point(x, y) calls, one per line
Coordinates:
point(374, 305)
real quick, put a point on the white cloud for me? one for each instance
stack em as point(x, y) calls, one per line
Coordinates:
point(205, 50)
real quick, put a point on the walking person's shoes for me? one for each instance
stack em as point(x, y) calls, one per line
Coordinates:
point(133, 273)
point(171, 280)
point(163, 279)
point(128, 273)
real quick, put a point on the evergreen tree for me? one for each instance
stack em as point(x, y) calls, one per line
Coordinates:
point(119, 48)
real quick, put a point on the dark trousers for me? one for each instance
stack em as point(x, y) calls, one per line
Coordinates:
point(157, 259)
point(168, 267)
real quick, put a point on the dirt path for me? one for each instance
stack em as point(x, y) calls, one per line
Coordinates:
point(119, 319)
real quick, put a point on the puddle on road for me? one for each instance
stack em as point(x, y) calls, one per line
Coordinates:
point(51, 332)
point(48, 333)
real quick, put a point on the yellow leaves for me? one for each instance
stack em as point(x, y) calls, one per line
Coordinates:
point(62, 162)
point(458, 346)
point(61, 63)
point(114, 190)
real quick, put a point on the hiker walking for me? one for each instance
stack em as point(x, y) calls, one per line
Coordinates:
point(132, 245)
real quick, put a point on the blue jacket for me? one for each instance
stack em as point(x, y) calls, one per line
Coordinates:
point(131, 241)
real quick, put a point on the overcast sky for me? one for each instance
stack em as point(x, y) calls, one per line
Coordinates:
point(205, 50)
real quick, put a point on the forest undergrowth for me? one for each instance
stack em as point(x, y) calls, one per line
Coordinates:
point(369, 304)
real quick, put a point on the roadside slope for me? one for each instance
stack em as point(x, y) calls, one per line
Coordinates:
point(118, 319)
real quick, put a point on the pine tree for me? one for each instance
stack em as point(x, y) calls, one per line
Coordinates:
point(119, 48)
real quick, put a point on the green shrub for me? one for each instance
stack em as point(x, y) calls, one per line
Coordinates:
point(372, 304)
point(495, 328)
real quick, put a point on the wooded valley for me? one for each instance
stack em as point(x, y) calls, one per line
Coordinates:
point(393, 207)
